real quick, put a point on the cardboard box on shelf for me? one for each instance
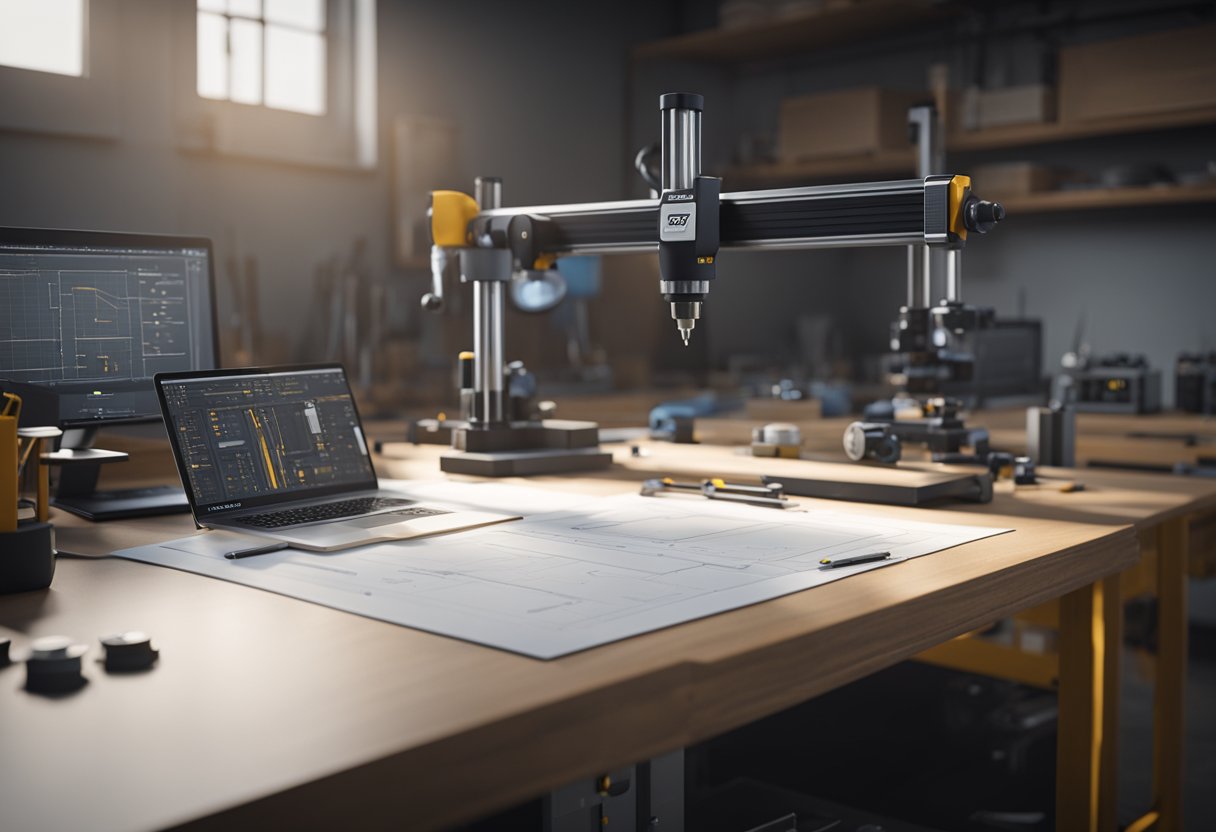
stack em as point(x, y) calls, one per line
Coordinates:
point(1027, 104)
point(1161, 72)
point(1013, 179)
point(844, 123)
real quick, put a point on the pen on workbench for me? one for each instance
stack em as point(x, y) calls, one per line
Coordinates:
point(833, 563)
point(257, 550)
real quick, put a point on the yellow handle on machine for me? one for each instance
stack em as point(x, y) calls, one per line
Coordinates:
point(451, 212)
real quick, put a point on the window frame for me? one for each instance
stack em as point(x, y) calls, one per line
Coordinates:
point(70, 105)
point(343, 137)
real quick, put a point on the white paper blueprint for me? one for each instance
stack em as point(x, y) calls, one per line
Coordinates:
point(593, 571)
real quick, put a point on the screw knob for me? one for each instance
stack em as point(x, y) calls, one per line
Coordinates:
point(54, 665)
point(129, 651)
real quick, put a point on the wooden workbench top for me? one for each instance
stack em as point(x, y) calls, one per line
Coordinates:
point(268, 710)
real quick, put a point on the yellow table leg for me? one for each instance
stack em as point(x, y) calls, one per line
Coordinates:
point(1108, 784)
point(8, 473)
point(1084, 797)
point(43, 475)
point(1169, 698)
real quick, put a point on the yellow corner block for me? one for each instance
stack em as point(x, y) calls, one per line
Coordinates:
point(451, 212)
point(960, 186)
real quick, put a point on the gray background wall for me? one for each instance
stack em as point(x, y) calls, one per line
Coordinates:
point(1144, 279)
point(536, 90)
point(543, 98)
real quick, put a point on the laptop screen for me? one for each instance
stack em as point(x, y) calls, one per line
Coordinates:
point(248, 438)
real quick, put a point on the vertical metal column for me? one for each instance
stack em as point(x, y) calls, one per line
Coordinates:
point(489, 312)
point(929, 160)
point(681, 147)
point(954, 275)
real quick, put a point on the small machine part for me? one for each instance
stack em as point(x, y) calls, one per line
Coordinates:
point(1051, 435)
point(674, 421)
point(468, 394)
point(871, 440)
point(1195, 383)
point(936, 424)
point(54, 665)
point(129, 651)
point(521, 393)
point(1000, 465)
point(778, 439)
point(1119, 383)
point(1024, 471)
point(770, 494)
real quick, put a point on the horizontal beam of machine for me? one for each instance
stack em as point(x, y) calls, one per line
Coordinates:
point(826, 216)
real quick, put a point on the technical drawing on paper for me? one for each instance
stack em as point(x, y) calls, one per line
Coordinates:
point(580, 576)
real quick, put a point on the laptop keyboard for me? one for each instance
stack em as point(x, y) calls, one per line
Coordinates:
point(333, 511)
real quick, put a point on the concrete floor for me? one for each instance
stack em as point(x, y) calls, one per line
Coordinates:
point(1136, 735)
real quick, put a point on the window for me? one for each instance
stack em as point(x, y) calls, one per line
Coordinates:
point(43, 35)
point(288, 80)
point(267, 52)
point(60, 67)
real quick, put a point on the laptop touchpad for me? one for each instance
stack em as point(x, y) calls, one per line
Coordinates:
point(392, 517)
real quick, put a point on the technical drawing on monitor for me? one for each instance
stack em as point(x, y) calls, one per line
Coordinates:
point(249, 436)
point(86, 320)
point(88, 324)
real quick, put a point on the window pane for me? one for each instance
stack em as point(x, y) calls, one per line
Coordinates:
point(295, 70)
point(46, 35)
point(245, 8)
point(212, 55)
point(302, 14)
point(220, 6)
point(245, 45)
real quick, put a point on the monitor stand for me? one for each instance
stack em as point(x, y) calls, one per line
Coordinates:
point(76, 490)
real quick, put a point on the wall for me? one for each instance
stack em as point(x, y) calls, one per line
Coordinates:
point(536, 92)
point(1141, 278)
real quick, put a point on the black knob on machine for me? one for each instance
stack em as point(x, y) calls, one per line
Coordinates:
point(54, 665)
point(981, 216)
point(871, 440)
point(129, 651)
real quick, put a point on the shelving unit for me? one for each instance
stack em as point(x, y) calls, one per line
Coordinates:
point(877, 165)
point(1029, 134)
point(784, 36)
point(900, 163)
point(1094, 198)
point(833, 27)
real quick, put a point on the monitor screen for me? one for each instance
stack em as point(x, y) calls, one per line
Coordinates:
point(92, 316)
point(251, 437)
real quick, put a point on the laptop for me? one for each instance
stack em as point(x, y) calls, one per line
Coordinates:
point(280, 453)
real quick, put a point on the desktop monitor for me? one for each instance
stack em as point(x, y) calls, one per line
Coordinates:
point(87, 318)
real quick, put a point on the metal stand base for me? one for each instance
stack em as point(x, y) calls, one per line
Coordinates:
point(133, 502)
point(552, 446)
point(76, 487)
point(526, 463)
point(549, 434)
